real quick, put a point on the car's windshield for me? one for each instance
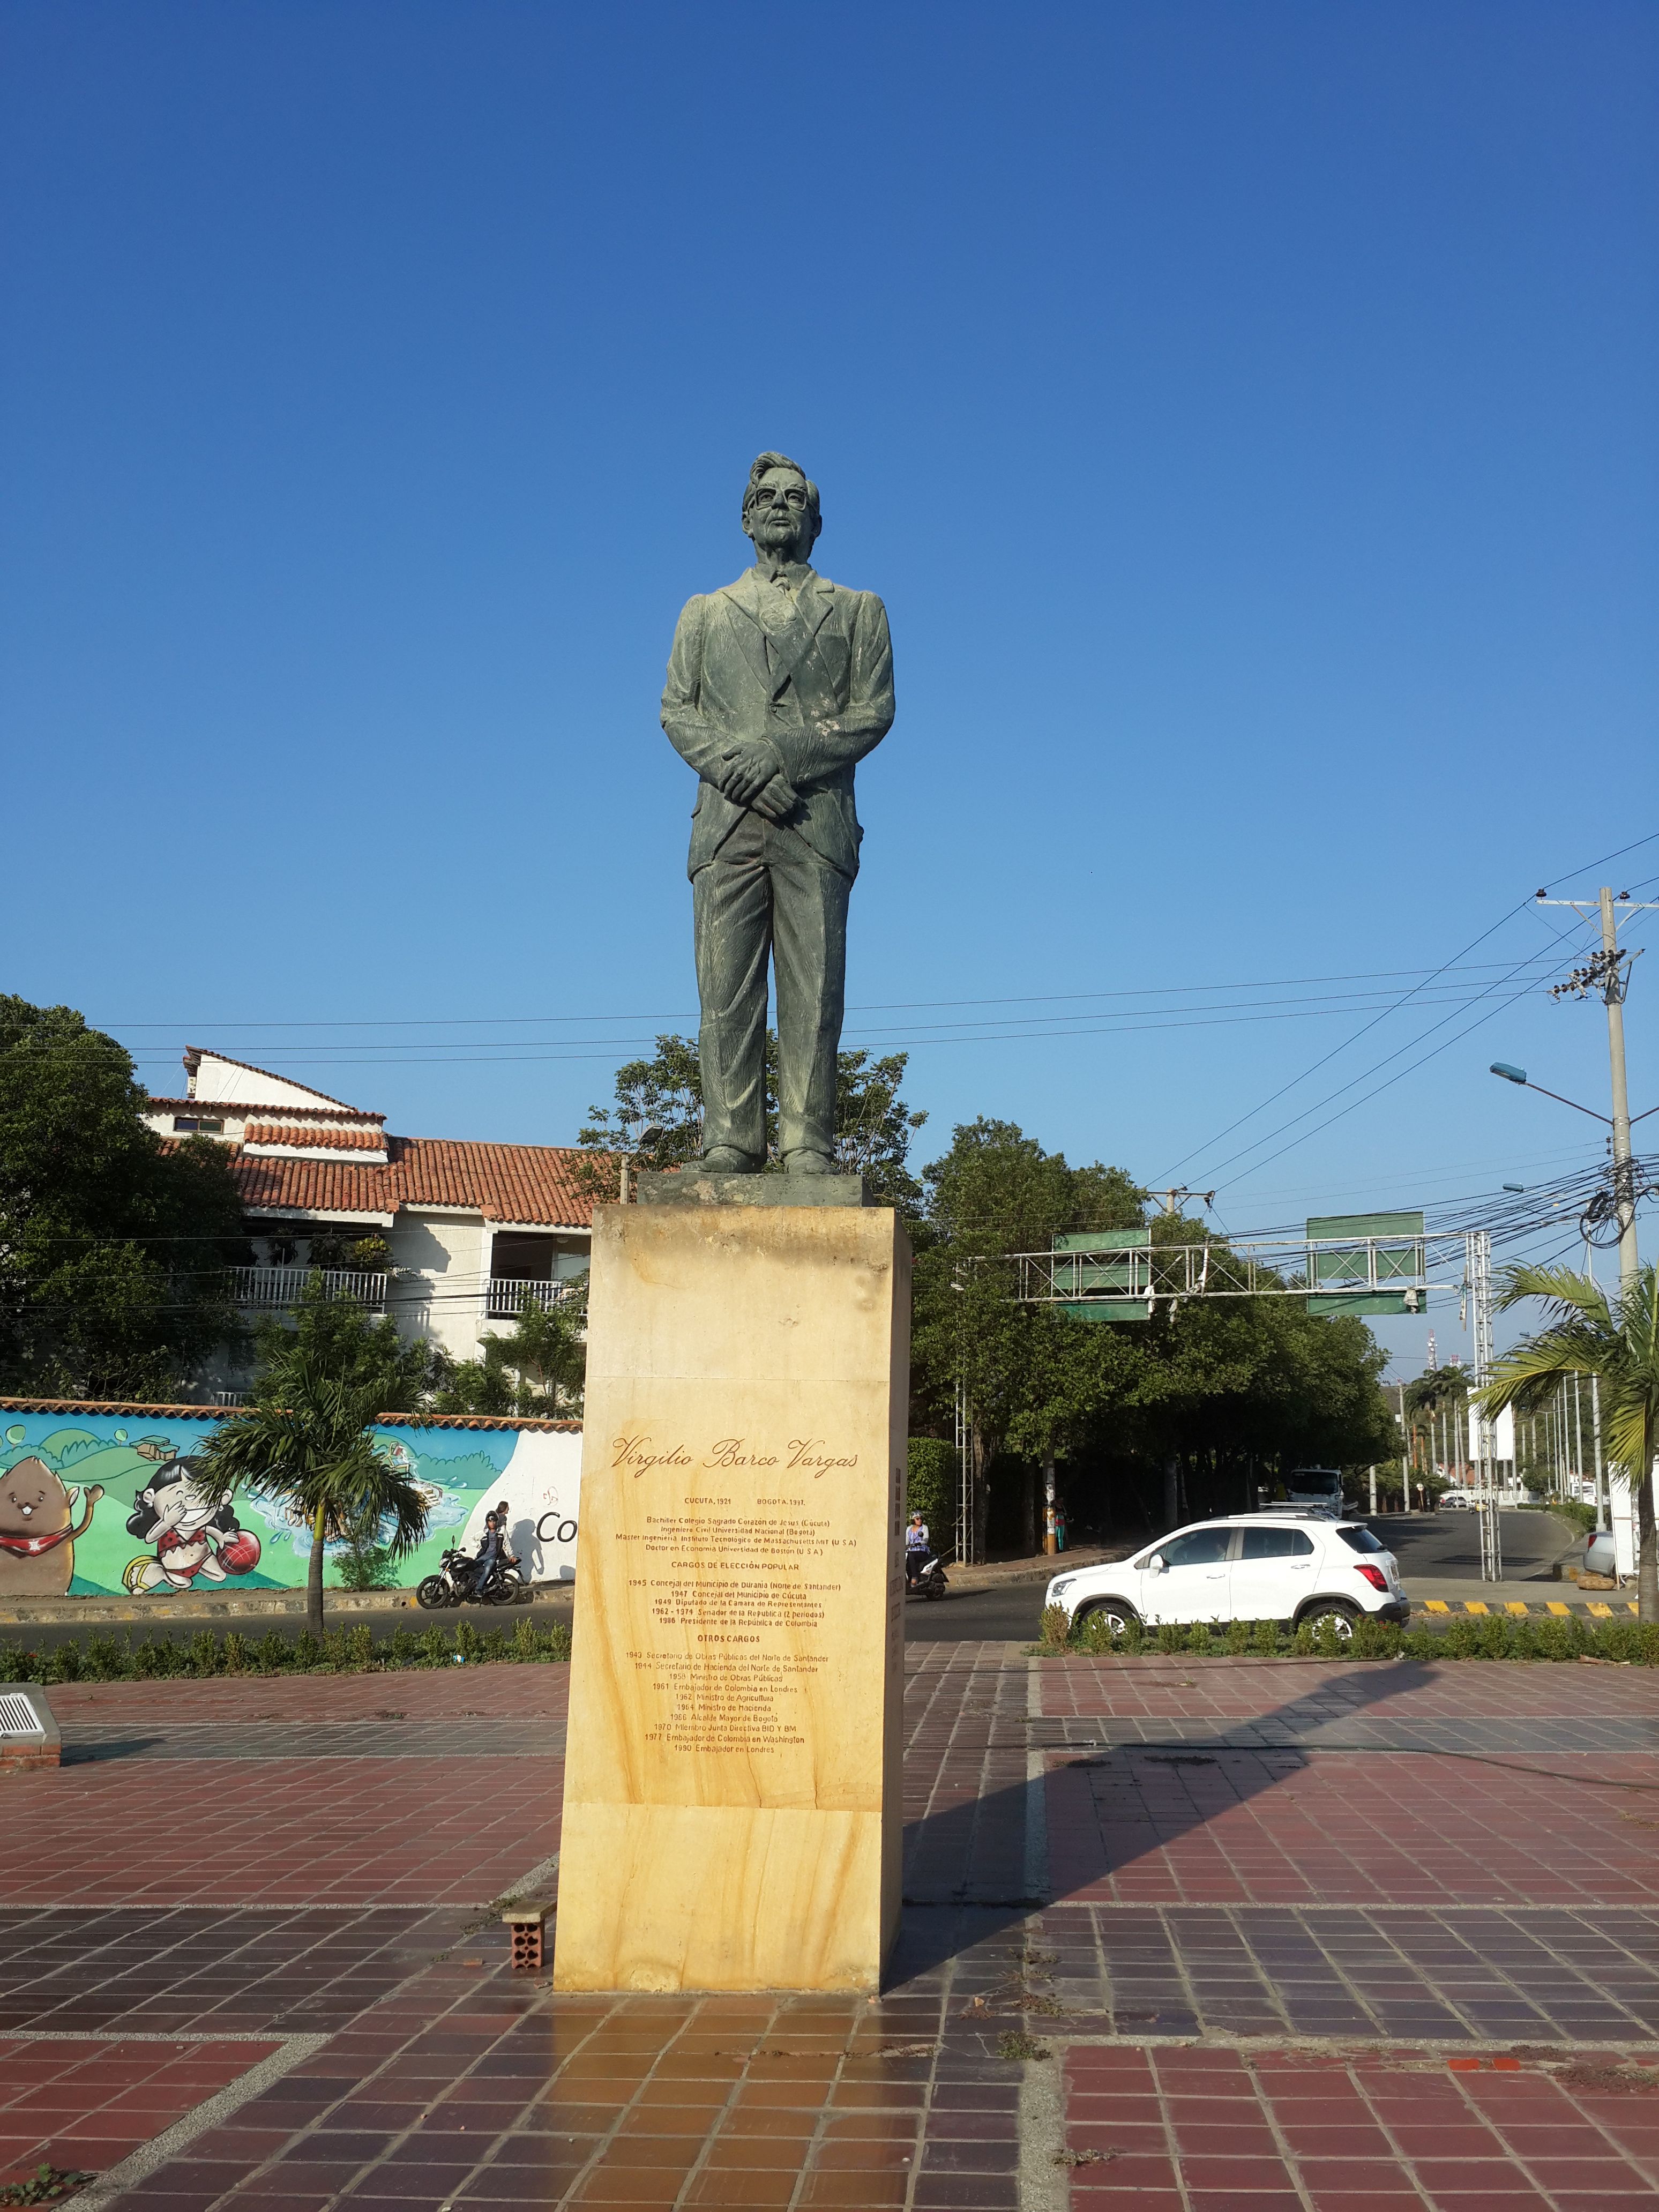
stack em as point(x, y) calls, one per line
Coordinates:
point(1361, 1539)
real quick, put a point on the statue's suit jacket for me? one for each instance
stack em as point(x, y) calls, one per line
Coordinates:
point(821, 690)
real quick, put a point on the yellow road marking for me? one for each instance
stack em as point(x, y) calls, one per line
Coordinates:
point(1436, 1605)
point(1513, 1605)
point(1601, 1612)
point(1474, 1605)
point(1633, 1606)
point(1554, 1605)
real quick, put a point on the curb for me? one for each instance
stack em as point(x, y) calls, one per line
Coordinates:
point(100, 1612)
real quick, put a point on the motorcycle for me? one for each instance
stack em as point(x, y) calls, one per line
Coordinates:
point(455, 1582)
point(928, 1578)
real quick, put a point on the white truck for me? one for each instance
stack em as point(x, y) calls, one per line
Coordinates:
point(1318, 1488)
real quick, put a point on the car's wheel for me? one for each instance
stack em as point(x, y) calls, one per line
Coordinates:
point(1111, 1612)
point(430, 1592)
point(1340, 1614)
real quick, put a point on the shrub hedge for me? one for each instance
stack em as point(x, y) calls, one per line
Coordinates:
point(1498, 1636)
point(96, 1658)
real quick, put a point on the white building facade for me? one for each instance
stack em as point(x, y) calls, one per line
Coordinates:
point(452, 1239)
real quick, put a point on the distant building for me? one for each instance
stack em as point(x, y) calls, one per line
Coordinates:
point(474, 1231)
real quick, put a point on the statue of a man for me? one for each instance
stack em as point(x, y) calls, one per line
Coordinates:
point(778, 685)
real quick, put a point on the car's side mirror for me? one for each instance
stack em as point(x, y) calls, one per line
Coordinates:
point(1156, 1564)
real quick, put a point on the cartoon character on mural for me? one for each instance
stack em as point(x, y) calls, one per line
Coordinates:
point(193, 1526)
point(38, 1529)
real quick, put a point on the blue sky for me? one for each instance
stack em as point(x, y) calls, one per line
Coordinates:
point(1245, 410)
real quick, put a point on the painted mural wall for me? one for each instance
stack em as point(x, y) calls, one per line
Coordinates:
point(107, 1503)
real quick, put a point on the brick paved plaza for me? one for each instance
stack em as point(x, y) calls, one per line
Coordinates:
point(1293, 1934)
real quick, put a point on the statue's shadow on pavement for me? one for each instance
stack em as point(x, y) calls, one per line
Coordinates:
point(971, 1871)
point(125, 1746)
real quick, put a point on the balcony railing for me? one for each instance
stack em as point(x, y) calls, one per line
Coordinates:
point(510, 1295)
point(284, 1287)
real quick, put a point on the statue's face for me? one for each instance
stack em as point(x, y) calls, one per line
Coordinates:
point(778, 519)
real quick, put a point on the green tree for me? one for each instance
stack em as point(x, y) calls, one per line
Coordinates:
point(873, 1125)
point(930, 1487)
point(361, 1256)
point(1022, 1373)
point(664, 1092)
point(306, 1443)
point(114, 1242)
point(1435, 1405)
point(1195, 1401)
point(1616, 1339)
point(537, 1369)
point(399, 1375)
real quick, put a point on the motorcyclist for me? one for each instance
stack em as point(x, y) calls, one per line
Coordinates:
point(509, 1556)
point(491, 1553)
point(918, 1548)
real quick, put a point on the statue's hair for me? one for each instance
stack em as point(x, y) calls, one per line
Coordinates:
point(764, 461)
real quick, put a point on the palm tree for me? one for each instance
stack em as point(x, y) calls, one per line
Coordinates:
point(1617, 1340)
point(307, 1442)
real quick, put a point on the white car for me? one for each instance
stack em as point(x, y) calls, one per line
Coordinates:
point(1289, 1564)
point(1456, 1498)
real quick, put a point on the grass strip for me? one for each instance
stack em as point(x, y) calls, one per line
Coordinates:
point(1496, 1635)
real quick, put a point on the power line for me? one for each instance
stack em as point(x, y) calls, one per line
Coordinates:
point(1376, 1068)
point(508, 1052)
point(874, 1006)
point(1434, 973)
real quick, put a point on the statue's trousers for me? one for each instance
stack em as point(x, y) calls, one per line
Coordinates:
point(765, 891)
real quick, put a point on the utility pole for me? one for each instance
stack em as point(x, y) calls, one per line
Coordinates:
point(1479, 1265)
point(1608, 972)
point(1170, 1196)
point(1614, 985)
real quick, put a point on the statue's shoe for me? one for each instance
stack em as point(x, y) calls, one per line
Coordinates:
point(809, 1163)
point(726, 1159)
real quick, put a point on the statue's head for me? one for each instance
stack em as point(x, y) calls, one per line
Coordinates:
point(780, 507)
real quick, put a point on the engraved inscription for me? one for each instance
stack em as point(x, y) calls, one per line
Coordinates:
point(813, 1455)
point(730, 1586)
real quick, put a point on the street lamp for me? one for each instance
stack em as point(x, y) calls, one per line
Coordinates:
point(1519, 1075)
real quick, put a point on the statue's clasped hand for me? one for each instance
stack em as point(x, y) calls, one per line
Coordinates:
point(752, 776)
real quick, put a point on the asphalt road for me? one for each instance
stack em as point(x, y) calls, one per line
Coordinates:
point(1444, 1547)
point(1011, 1612)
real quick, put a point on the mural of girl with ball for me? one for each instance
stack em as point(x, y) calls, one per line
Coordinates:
point(193, 1526)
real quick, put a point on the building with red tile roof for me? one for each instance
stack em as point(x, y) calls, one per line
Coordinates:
point(451, 1236)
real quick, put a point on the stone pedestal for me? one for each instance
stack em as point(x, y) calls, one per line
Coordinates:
point(733, 1801)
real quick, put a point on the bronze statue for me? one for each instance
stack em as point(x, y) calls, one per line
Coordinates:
point(778, 685)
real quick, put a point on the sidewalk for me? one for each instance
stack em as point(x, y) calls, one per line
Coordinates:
point(997, 1574)
point(1280, 1938)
